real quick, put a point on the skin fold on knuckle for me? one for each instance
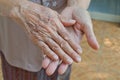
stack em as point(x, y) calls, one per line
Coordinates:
point(64, 45)
point(41, 27)
point(65, 35)
point(69, 42)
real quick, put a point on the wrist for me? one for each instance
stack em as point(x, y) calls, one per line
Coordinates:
point(79, 3)
point(77, 6)
point(16, 8)
point(7, 6)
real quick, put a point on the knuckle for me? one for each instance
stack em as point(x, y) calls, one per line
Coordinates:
point(65, 33)
point(74, 55)
point(63, 43)
point(51, 20)
point(55, 47)
point(48, 51)
point(71, 53)
point(66, 38)
point(64, 57)
point(46, 39)
point(42, 45)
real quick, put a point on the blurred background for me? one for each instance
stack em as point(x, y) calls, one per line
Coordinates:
point(103, 64)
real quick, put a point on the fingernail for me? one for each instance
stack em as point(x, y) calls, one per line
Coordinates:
point(78, 59)
point(72, 21)
point(79, 51)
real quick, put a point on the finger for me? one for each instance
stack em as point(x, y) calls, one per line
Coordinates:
point(46, 62)
point(78, 32)
point(63, 33)
point(67, 22)
point(67, 14)
point(52, 67)
point(47, 51)
point(91, 38)
point(57, 49)
point(62, 69)
point(84, 19)
point(66, 47)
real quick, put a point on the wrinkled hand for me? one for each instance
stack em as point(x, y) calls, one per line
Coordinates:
point(83, 26)
point(45, 27)
point(50, 66)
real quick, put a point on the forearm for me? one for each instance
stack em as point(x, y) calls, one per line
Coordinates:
point(7, 5)
point(81, 3)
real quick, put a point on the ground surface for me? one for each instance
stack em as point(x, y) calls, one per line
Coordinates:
point(103, 64)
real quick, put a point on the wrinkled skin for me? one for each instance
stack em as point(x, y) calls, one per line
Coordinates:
point(51, 65)
point(45, 28)
point(83, 26)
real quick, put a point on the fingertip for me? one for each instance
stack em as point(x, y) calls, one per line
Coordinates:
point(93, 43)
point(48, 73)
point(97, 46)
point(52, 68)
point(45, 62)
point(68, 22)
point(62, 69)
point(72, 21)
point(79, 51)
point(69, 61)
point(78, 59)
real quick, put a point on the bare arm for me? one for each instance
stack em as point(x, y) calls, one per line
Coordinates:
point(81, 3)
point(7, 5)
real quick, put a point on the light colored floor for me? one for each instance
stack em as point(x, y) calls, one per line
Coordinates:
point(103, 64)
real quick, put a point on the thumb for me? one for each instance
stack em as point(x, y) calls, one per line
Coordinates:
point(91, 38)
point(67, 22)
point(83, 18)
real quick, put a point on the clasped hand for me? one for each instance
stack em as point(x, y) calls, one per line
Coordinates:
point(46, 28)
point(82, 26)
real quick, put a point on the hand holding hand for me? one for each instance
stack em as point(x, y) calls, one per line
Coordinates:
point(45, 28)
point(52, 65)
point(83, 25)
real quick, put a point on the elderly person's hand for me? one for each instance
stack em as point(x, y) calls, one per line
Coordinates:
point(82, 26)
point(46, 28)
point(50, 65)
